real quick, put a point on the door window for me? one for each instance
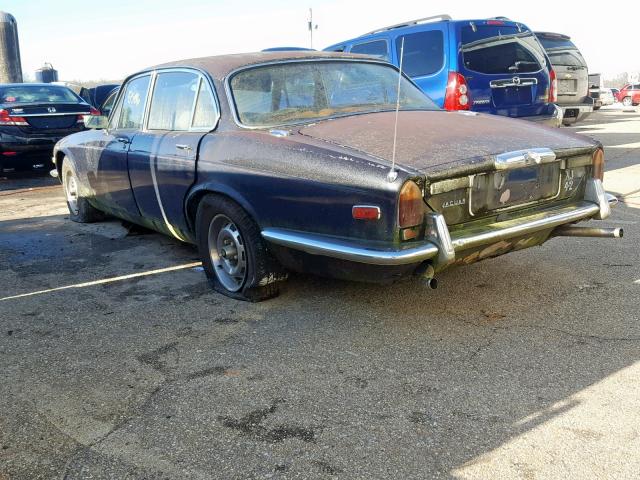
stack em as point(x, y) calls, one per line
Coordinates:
point(423, 52)
point(377, 48)
point(172, 101)
point(206, 114)
point(133, 103)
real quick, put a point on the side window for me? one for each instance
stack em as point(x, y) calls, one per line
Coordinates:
point(206, 110)
point(134, 99)
point(423, 52)
point(172, 101)
point(377, 48)
point(107, 106)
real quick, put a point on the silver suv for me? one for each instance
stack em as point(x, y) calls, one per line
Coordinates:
point(572, 76)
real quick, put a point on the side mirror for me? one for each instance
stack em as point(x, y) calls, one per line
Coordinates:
point(96, 122)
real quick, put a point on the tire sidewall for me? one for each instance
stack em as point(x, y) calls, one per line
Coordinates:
point(209, 207)
point(68, 166)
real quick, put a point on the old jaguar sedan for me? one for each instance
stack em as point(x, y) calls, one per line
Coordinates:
point(311, 161)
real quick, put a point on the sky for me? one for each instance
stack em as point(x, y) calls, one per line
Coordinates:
point(99, 40)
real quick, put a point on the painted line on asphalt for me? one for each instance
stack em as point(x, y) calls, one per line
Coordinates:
point(106, 280)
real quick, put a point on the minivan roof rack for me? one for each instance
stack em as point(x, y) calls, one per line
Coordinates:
point(411, 22)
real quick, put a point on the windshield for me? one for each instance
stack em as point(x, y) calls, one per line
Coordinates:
point(500, 49)
point(37, 94)
point(295, 92)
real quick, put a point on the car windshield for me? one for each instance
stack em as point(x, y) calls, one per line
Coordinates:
point(295, 92)
point(500, 49)
point(37, 94)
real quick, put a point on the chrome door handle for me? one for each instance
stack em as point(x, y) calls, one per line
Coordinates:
point(182, 146)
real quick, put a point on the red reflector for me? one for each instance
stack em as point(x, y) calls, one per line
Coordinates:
point(9, 154)
point(365, 212)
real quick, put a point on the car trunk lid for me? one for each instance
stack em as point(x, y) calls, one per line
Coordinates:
point(47, 118)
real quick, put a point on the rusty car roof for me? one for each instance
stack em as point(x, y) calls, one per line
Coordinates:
point(222, 65)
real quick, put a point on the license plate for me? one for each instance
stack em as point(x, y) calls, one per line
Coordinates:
point(510, 188)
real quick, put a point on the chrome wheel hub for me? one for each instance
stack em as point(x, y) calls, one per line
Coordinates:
point(71, 190)
point(227, 252)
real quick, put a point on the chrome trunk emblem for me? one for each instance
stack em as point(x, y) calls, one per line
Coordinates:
point(51, 109)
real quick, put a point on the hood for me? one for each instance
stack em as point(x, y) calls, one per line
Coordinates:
point(428, 140)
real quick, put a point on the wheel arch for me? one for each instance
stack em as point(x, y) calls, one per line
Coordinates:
point(198, 192)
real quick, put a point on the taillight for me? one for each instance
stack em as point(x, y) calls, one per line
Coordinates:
point(598, 164)
point(94, 111)
point(410, 205)
point(553, 86)
point(456, 96)
point(6, 119)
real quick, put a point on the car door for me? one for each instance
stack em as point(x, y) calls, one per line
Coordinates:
point(162, 158)
point(111, 183)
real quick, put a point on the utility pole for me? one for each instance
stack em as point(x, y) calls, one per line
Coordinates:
point(311, 27)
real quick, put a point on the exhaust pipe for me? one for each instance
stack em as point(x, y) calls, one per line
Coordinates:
point(574, 231)
point(427, 272)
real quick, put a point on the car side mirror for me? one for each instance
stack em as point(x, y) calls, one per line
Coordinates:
point(96, 122)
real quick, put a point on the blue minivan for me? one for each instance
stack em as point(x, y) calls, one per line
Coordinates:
point(492, 66)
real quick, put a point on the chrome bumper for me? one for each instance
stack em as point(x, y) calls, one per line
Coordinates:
point(442, 243)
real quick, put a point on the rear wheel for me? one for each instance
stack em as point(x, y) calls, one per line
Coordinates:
point(234, 254)
point(79, 208)
point(626, 101)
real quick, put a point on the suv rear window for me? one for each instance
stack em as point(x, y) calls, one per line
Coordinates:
point(423, 52)
point(562, 52)
point(500, 49)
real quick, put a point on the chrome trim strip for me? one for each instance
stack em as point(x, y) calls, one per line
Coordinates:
point(522, 226)
point(58, 114)
point(348, 250)
point(511, 82)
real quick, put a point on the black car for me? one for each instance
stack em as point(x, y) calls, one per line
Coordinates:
point(98, 95)
point(282, 161)
point(33, 117)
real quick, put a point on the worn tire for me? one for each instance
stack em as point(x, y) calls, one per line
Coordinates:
point(263, 274)
point(80, 210)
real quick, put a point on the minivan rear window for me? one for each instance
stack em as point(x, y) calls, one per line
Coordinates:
point(423, 52)
point(500, 49)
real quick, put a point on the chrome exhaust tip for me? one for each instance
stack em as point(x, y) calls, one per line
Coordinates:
point(574, 231)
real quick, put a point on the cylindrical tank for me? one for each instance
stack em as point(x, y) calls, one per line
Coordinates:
point(10, 68)
point(47, 74)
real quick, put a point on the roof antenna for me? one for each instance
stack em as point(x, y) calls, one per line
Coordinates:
point(393, 174)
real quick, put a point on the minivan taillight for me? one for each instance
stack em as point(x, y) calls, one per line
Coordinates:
point(553, 86)
point(456, 96)
point(6, 119)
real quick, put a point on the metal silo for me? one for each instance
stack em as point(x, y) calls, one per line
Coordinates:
point(10, 68)
point(47, 74)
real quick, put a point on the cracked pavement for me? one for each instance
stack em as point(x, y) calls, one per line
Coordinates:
point(525, 366)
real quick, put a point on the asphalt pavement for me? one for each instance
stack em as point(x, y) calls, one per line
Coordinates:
point(118, 362)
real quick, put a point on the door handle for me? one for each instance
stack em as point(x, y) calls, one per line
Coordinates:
point(123, 140)
point(182, 146)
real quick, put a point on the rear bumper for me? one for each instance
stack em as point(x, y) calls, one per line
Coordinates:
point(552, 119)
point(442, 243)
point(573, 113)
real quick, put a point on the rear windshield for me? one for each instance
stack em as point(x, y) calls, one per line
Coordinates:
point(295, 92)
point(562, 52)
point(37, 94)
point(500, 49)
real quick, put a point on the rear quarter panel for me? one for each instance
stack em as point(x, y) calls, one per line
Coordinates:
point(297, 183)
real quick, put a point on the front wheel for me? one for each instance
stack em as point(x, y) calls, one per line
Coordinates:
point(234, 254)
point(626, 101)
point(80, 210)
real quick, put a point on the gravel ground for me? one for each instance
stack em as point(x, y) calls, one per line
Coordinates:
point(525, 366)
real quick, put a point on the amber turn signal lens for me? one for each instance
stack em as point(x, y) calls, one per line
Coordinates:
point(598, 164)
point(411, 205)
